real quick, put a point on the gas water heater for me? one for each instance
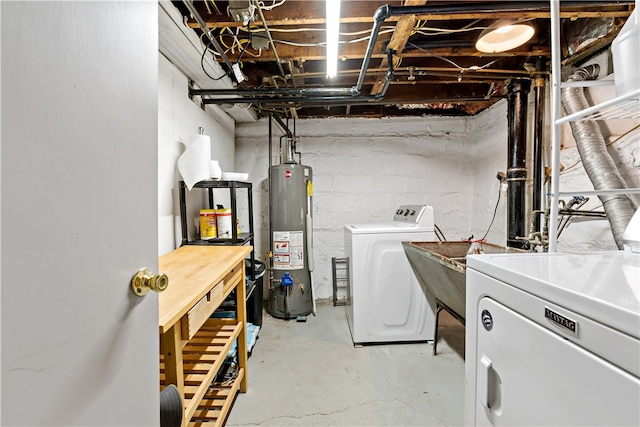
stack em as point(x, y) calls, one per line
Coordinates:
point(290, 290)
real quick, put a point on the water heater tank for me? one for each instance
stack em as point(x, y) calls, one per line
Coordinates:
point(290, 210)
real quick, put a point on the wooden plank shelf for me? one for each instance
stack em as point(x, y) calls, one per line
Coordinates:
point(194, 346)
point(216, 403)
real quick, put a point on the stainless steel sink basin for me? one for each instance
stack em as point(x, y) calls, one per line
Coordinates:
point(440, 268)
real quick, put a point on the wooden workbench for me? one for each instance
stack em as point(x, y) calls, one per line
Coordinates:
point(193, 345)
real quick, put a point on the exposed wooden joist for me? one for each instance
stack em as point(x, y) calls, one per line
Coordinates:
point(224, 21)
point(356, 51)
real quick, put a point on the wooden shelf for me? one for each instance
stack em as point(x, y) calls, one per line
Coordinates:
point(216, 403)
point(202, 358)
point(193, 345)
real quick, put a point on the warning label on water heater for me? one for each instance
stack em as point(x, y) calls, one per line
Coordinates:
point(288, 250)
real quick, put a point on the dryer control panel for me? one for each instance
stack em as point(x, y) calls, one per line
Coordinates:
point(421, 215)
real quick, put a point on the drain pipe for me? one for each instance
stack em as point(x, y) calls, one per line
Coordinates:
point(598, 164)
point(517, 155)
point(538, 130)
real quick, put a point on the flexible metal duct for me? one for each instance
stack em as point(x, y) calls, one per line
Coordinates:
point(600, 167)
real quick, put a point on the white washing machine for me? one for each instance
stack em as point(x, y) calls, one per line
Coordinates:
point(553, 339)
point(387, 303)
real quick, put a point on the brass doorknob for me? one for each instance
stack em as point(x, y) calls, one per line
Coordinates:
point(144, 281)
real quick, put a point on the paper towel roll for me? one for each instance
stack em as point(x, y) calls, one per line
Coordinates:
point(215, 170)
point(194, 163)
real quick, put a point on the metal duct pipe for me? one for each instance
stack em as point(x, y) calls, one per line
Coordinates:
point(600, 167)
point(517, 91)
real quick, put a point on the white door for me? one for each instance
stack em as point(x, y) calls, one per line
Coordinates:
point(79, 212)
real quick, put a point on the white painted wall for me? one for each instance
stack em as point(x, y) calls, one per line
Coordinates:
point(365, 168)
point(489, 135)
point(178, 119)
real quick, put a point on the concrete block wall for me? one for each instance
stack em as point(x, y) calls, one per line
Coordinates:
point(489, 135)
point(365, 168)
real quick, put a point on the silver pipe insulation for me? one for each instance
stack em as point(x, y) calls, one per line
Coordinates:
point(598, 164)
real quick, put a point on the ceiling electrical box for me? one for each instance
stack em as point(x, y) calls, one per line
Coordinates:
point(241, 10)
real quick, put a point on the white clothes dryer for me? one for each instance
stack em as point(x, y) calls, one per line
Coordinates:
point(553, 339)
point(387, 302)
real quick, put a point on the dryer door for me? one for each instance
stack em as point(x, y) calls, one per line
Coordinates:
point(526, 374)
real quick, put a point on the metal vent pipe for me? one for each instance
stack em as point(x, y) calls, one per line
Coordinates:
point(598, 164)
point(517, 91)
point(538, 142)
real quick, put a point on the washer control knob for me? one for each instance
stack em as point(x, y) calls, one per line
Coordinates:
point(413, 212)
point(399, 212)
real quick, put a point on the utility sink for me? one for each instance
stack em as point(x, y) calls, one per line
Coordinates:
point(440, 268)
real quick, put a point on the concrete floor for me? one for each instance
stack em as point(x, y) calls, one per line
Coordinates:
point(310, 374)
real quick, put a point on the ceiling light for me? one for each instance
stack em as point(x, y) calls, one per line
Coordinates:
point(504, 36)
point(333, 32)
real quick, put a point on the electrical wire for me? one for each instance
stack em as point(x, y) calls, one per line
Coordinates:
point(322, 43)
point(319, 44)
point(495, 210)
point(435, 31)
point(215, 6)
point(472, 68)
point(272, 6)
point(246, 46)
point(439, 233)
point(385, 29)
point(419, 29)
point(204, 52)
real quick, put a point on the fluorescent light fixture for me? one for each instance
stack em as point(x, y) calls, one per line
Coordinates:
point(333, 32)
point(504, 36)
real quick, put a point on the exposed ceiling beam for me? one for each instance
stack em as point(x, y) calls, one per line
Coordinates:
point(356, 51)
point(224, 21)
